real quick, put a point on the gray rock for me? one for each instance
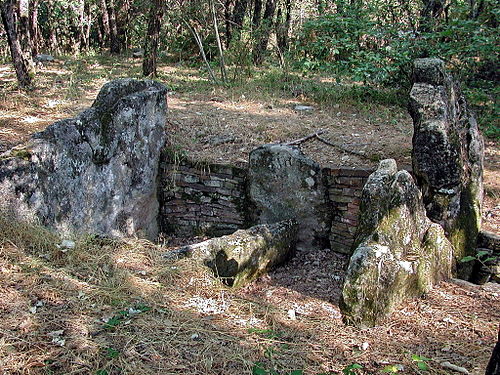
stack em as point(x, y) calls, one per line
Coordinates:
point(399, 253)
point(246, 254)
point(138, 53)
point(95, 173)
point(489, 240)
point(447, 154)
point(285, 184)
point(303, 108)
point(44, 58)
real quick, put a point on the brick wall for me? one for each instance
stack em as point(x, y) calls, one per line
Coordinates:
point(344, 192)
point(212, 199)
point(197, 198)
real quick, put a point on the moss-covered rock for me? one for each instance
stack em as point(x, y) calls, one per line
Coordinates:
point(398, 253)
point(447, 155)
point(246, 254)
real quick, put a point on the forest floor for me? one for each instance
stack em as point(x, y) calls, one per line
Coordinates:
point(126, 311)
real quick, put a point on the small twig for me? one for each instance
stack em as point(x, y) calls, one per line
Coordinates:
point(306, 138)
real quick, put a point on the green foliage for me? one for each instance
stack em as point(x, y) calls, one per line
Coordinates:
point(351, 369)
point(421, 362)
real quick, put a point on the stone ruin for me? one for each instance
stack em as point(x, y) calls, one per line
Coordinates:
point(104, 172)
point(95, 173)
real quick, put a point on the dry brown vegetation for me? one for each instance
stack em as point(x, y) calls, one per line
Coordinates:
point(123, 309)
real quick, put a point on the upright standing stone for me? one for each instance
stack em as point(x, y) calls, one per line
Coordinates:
point(95, 173)
point(447, 154)
point(285, 184)
point(399, 252)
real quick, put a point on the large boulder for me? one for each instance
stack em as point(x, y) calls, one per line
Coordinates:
point(447, 154)
point(399, 253)
point(285, 184)
point(246, 254)
point(95, 173)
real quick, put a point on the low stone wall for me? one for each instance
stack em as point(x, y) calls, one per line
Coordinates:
point(200, 198)
point(345, 186)
point(212, 199)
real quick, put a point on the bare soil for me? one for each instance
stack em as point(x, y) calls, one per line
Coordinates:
point(287, 320)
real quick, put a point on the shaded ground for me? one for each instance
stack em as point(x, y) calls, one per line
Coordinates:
point(182, 320)
point(119, 308)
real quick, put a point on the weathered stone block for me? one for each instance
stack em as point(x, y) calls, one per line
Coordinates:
point(95, 173)
point(447, 154)
point(246, 254)
point(285, 184)
point(399, 253)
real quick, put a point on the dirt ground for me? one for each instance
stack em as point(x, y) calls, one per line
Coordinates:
point(288, 320)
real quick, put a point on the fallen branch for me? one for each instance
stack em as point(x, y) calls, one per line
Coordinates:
point(304, 139)
point(325, 141)
point(345, 149)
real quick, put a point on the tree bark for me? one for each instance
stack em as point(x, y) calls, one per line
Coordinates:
point(257, 10)
point(240, 9)
point(283, 27)
point(34, 27)
point(149, 63)
point(106, 30)
point(9, 23)
point(228, 20)
point(23, 33)
point(113, 29)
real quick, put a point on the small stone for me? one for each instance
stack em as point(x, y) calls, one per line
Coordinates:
point(67, 244)
point(301, 108)
point(292, 314)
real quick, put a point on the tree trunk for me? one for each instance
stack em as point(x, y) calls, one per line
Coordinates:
point(222, 63)
point(283, 27)
point(228, 20)
point(9, 23)
point(113, 29)
point(240, 9)
point(152, 38)
point(34, 28)
point(257, 10)
point(199, 43)
point(263, 33)
point(23, 33)
point(106, 30)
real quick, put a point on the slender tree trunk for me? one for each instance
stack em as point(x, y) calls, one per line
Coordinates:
point(34, 28)
point(149, 62)
point(263, 33)
point(9, 23)
point(222, 62)
point(240, 9)
point(23, 33)
point(257, 10)
point(113, 29)
point(199, 43)
point(52, 43)
point(106, 30)
point(283, 27)
point(228, 20)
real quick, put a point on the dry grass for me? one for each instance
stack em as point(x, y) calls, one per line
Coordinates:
point(175, 318)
